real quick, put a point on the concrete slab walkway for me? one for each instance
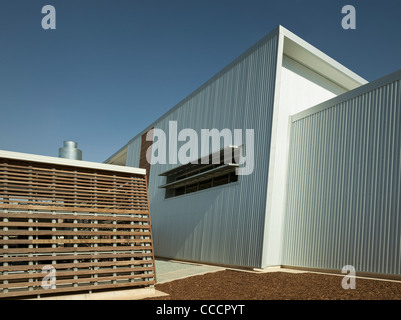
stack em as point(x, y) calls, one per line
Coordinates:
point(170, 270)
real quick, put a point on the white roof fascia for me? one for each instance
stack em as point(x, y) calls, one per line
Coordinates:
point(308, 55)
point(70, 162)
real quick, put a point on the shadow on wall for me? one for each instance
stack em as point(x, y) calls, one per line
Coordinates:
point(199, 226)
point(181, 225)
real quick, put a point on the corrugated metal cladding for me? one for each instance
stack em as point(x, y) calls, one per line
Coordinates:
point(344, 182)
point(133, 153)
point(222, 224)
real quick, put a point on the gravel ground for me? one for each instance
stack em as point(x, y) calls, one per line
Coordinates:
point(237, 285)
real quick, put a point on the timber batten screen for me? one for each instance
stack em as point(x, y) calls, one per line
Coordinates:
point(91, 225)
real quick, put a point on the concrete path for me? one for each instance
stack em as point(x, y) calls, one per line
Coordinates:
point(169, 270)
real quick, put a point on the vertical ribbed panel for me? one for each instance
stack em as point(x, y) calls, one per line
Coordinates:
point(224, 224)
point(344, 183)
point(133, 152)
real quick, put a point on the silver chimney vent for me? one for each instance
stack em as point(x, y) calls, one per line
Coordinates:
point(70, 151)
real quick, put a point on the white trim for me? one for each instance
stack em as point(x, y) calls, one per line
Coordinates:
point(266, 242)
point(69, 162)
point(305, 53)
point(395, 76)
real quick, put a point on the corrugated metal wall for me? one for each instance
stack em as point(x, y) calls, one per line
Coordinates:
point(133, 153)
point(344, 182)
point(300, 89)
point(223, 224)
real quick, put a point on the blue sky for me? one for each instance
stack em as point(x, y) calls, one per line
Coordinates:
point(111, 67)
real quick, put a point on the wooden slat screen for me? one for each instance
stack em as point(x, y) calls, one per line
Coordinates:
point(92, 226)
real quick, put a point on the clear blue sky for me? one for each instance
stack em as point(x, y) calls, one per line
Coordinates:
point(112, 67)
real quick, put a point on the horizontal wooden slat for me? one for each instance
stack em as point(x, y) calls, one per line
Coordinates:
point(55, 177)
point(67, 241)
point(38, 283)
point(48, 188)
point(51, 173)
point(59, 266)
point(74, 257)
point(75, 289)
point(131, 247)
point(60, 274)
point(55, 195)
point(61, 171)
point(11, 224)
point(72, 233)
point(108, 203)
point(79, 208)
point(72, 210)
point(118, 205)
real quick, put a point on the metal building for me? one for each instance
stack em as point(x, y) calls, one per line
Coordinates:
point(344, 182)
point(209, 214)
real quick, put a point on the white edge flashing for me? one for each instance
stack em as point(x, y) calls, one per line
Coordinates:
point(347, 95)
point(347, 78)
point(69, 162)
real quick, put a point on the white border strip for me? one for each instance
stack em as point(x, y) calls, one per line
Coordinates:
point(395, 76)
point(69, 162)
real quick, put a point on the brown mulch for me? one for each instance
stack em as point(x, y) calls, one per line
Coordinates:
point(237, 285)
